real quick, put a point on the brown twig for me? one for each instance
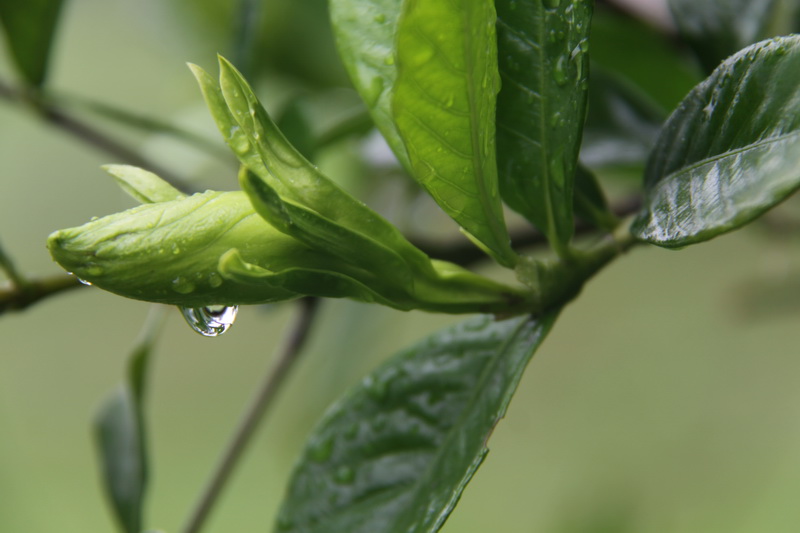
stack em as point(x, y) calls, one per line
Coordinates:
point(276, 376)
point(16, 297)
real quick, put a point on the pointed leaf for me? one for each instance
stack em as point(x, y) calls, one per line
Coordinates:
point(120, 434)
point(716, 29)
point(544, 66)
point(142, 185)
point(730, 151)
point(29, 27)
point(262, 148)
point(395, 454)
point(444, 108)
point(365, 37)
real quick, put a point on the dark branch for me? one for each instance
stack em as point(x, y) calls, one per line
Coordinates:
point(89, 135)
point(15, 297)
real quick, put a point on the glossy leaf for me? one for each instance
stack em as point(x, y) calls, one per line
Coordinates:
point(395, 454)
point(622, 123)
point(716, 29)
point(544, 66)
point(444, 108)
point(365, 37)
point(262, 148)
point(29, 27)
point(730, 151)
point(121, 438)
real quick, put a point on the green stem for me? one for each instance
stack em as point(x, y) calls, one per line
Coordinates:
point(276, 376)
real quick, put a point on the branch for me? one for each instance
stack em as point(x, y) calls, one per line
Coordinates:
point(63, 120)
point(276, 376)
point(464, 253)
point(16, 297)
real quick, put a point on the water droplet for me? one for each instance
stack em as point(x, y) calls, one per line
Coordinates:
point(214, 280)
point(93, 269)
point(321, 450)
point(450, 101)
point(89, 283)
point(560, 71)
point(344, 475)
point(93, 219)
point(388, 60)
point(182, 285)
point(555, 120)
point(380, 19)
point(212, 320)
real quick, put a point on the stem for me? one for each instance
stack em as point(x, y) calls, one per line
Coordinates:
point(276, 376)
point(63, 120)
point(11, 271)
point(18, 297)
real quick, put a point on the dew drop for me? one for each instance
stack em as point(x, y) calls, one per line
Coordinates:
point(344, 475)
point(321, 450)
point(560, 71)
point(380, 19)
point(214, 280)
point(182, 285)
point(212, 320)
point(388, 60)
point(93, 269)
point(89, 283)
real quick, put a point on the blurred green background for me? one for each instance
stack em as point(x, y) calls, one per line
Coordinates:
point(665, 399)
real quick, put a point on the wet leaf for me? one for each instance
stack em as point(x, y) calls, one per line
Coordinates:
point(730, 151)
point(444, 109)
point(544, 65)
point(395, 454)
point(30, 26)
point(365, 37)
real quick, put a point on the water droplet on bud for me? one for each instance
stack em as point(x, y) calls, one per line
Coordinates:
point(210, 321)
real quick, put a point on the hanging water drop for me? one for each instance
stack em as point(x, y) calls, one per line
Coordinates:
point(89, 283)
point(212, 320)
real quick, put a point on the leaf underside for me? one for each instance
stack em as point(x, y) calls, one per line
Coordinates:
point(444, 109)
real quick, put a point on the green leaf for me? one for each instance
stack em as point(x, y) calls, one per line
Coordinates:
point(590, 201)
point(730, 151)
point(444, 108)
point(30, 26)
point(142, 185)
point(121, 438)
point(622, 123)
point(716, 29)
point(365, 37)
point(544, 66)
point(262, 148)
point(630, 49)
point(395, 454)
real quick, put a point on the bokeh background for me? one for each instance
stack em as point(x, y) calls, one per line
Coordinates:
point(665, 400)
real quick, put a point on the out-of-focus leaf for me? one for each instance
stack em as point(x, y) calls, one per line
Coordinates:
point(544, 66)
point(590, 201)
point(365, 37)
point(629, 48)
point(121, 437)
point(730, 151)
point(622, 123)
point(716, 29)
point(444, 108)
point(29, 27)
point(395, 454)
point(142, 185)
